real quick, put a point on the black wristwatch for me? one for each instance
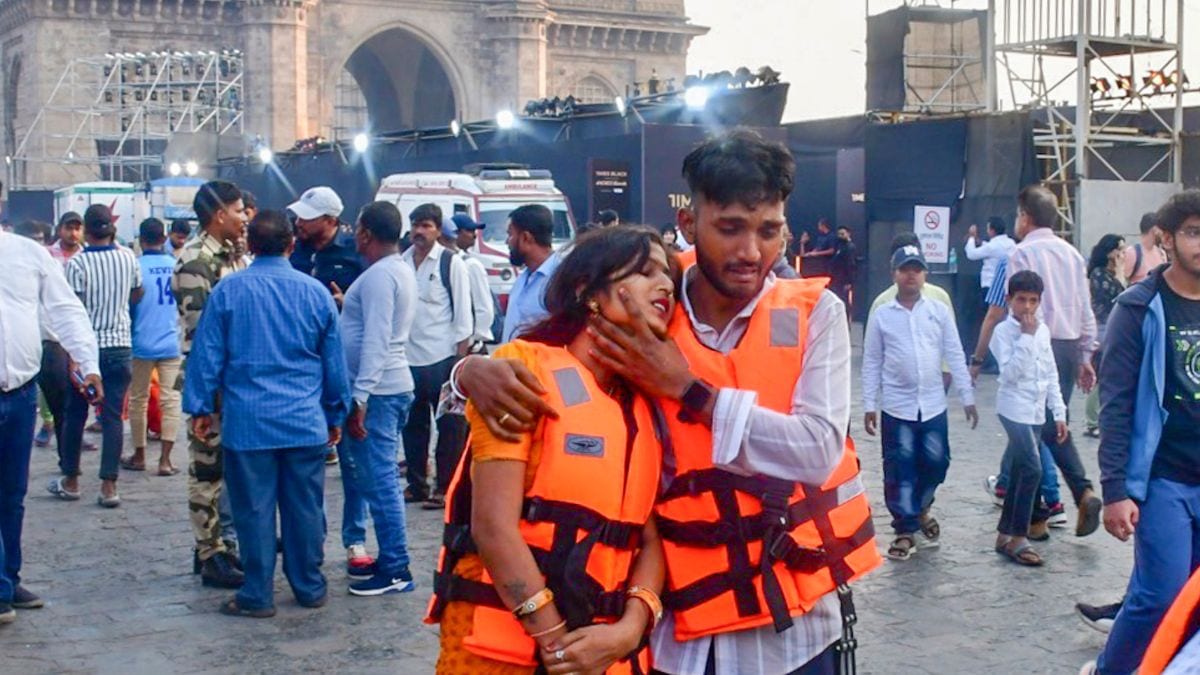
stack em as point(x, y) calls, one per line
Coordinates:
point(976, 361)
point(695, 399)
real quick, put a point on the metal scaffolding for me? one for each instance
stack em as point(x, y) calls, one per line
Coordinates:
point(112, 117)
point(1100, 42)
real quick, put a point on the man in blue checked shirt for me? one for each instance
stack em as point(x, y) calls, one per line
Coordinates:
point(269, 346)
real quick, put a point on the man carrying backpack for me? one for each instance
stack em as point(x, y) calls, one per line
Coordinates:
point(441, 334)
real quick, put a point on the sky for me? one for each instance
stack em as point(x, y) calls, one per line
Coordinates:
point(819, 46)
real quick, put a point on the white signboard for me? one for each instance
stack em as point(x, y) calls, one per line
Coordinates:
point(932, 225)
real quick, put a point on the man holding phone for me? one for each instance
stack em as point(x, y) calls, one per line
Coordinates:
point(37, 287)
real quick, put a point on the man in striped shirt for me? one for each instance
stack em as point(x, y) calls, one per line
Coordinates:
point(1067, 311)
point(108, 280)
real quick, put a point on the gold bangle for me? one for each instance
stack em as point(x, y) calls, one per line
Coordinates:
point(551, 629)
point(533, 603)
point(651, 600)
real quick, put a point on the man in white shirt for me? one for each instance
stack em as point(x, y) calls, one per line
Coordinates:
point(458, 235)
point(35, 287)
point(905, 344)
point(441, 335)
point(996, 248)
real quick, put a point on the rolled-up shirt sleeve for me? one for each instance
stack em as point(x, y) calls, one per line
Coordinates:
point(805, 444)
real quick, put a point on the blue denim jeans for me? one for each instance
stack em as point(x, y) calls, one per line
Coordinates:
point(354, 507)
point(1166, 550)
point(291, 480)
point(1050, 491)
point(1021, 457)
point(916, 456)
point(116, 369)
point(17, 410)
point(371, 466)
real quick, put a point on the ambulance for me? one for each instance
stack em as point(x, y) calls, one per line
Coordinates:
point(128, 202)
point(487, 193)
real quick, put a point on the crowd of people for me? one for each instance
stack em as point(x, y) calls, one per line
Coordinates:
point(652, 471)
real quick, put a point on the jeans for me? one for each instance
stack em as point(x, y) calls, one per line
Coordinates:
point(18, 409)
point(916, 456)
point(1066, 357)
point(452, 431)
point(1025, 475)
point(1166, 550)
point(115, 373)
point(55, 382)
point(291, 480)
point(371, 467)
point(354, 507)
point(1050, 493)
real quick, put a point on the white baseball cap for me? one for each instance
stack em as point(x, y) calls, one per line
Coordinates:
point(317, 202)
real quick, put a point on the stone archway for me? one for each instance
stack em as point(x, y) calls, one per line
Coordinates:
point(401, 81)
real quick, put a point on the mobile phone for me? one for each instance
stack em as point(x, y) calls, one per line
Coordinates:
point(90, 391)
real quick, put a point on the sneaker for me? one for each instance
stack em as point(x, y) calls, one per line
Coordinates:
point(7, 613)
point(359, 565)
point(381, 584)
point(1057, 515)
point(995, 491)
point(24, 599)
point(218, 572)
point(42, 439)
point(1098, 617)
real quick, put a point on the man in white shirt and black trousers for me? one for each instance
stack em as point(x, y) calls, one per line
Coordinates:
point(441, 334)
point(35, 286)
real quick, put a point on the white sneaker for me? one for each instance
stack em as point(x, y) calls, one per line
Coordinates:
point(989, 486)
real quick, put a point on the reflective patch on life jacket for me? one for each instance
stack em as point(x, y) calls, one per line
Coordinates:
point(587, 446)
point(850, 489)
point(571, 387)
point(785, 327)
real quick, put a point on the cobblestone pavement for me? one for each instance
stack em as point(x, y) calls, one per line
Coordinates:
point(121, 597)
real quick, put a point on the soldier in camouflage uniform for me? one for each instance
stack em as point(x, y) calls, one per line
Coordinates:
point(203, 262)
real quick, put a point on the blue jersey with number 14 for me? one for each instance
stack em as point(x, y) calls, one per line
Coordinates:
point(155, 318)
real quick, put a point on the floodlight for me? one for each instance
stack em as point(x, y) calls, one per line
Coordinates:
point(361, 143)
point(622, 106)
point(696, 98)
point(265, 155)
point(455, 128)
point(192, 168)
point(505, 119)
point(174, 169)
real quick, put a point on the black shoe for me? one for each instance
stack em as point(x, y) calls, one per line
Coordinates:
point(1098, 617)
point(435, 503)
point(411, 497)
point(23, 599)
point(218, 572)
point(7, 613)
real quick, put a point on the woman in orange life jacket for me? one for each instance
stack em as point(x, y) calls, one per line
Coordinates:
point(582, 602)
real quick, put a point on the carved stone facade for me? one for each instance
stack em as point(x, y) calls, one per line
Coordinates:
point(416, 60)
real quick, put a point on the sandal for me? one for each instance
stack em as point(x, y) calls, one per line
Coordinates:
point(128, 464)
point(231, 608)
point(930, 532)
point(56, 488)
point(1024, 554)
point(902, 547)
point(169, 471)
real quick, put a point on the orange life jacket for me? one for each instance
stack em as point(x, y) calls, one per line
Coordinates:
point(687, 258)
point(715, 524)
point(1178, 625)
point(592, 492)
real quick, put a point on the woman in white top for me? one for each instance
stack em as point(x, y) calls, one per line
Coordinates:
point(1028, 388)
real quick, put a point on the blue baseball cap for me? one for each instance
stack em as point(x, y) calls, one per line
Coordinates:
point(460, 221)
point(906, 255)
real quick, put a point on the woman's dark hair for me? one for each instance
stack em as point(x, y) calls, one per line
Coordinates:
point(597, 260)
point(1179, 208)
point(1107, 244)
point(1025, 281)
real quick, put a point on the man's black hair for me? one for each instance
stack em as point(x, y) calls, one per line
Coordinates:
point(1025, 281)
point(842, 227)
point(740, 167)
point(1149, 220)
point(269, 233)
point(212, 197)
point(1179, 208)
point(181, 227)
point(249, 200)
point(1040, 204)
point(537, 220)
point(998, 225)
point(98, 222)
point(430, 212)
point(607, 217)
point(382, 220)
point(903, 239)
point(152, 232)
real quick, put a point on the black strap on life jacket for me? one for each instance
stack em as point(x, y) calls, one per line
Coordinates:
point(771, 526)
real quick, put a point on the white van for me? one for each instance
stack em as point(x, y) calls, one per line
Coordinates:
point(129, 203)
point(487, 193)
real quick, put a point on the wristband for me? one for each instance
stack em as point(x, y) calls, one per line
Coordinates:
point(551, 629)
point(652, 602)
point(454, 379)
point(533, 603)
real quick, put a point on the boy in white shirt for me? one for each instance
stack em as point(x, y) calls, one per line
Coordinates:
point(1028, 386)
point(907, 340)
